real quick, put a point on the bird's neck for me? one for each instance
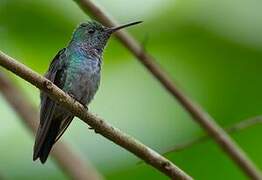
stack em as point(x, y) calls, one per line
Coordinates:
point(85, 49)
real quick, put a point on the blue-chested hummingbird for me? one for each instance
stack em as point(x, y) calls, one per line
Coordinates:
point(75, 70)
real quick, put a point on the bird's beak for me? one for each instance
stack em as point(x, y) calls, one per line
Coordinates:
point(114, 29)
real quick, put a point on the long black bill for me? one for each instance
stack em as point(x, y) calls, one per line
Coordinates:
point(114, 29)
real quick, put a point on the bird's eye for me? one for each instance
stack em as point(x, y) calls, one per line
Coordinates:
point(91, 31)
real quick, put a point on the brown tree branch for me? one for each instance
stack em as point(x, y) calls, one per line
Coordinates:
point(64, 156)
point(201, 117)
point(99, 125)
point(231, 129)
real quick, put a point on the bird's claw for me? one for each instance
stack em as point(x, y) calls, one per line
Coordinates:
point(85, 106)
point(72, 96)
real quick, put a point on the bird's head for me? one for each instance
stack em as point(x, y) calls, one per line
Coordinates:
point(95, 35)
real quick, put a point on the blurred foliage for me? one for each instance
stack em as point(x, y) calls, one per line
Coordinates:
point(212, 49)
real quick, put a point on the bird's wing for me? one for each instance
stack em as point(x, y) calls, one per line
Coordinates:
point(63, 126)
point(48, 107)
point(54, 74)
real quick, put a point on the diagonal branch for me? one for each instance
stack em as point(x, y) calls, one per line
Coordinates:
point(200, 116)
point(99, 125)
point(231, 129)
point(69, 161)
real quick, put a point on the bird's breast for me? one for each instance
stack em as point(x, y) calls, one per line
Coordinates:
point(83, 78)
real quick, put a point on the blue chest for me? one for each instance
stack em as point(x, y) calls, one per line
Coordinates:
point(82, 77)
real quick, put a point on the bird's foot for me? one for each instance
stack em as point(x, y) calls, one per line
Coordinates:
point(85, 106)
point(75, 100)
point(72, 96)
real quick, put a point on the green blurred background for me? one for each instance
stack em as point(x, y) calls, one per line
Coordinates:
point(212, 50)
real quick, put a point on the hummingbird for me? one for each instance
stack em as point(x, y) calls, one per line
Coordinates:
point(76, 70)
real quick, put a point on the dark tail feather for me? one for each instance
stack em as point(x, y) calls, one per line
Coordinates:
point(49, 140)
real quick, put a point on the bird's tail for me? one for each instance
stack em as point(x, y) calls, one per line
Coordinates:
point(43, 145)
point(47, 136)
